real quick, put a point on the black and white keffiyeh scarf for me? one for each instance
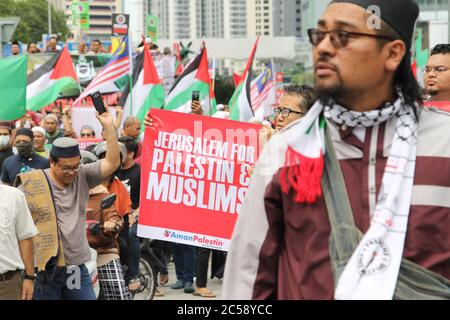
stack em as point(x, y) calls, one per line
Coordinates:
point(373, 269)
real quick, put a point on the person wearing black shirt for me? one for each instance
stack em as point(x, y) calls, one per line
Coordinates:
point(130, 175)
point(27, 160)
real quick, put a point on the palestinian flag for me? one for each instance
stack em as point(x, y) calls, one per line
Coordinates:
point(13, 82)
point(420, 59)
point(240, 103)
point(147, 91)
point(46, 83)
point(195, 77)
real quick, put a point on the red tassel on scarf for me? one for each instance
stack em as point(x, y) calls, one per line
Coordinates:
point(303, 174)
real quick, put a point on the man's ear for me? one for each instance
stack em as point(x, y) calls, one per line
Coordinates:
point(395, 51)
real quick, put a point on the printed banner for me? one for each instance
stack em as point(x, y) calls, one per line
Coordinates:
point(120, 24)
point(80, 14)
point(152, 28)
point(194, 178)
point(84, 143)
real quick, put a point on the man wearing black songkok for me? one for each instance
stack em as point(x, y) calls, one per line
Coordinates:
point(69, 182)
point(394, 182)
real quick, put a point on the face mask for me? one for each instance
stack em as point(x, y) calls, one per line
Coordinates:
point(25, 149)
point(4, 141)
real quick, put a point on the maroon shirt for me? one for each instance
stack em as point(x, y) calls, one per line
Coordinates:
point(294, 260)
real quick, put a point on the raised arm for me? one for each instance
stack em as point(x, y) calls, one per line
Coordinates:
point(112, 160)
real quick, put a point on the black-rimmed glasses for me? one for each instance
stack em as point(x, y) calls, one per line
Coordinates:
point(285, 112)
point(339, 38)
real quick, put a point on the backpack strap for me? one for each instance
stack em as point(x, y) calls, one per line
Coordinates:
point(414, 281)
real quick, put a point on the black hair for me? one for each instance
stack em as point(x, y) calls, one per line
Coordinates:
point(54, 159)
point(29, 45)
point(97, 40)
point(15, 43)
point(304, 91)
point(7, 128)
point(404, 78)
point(443, 48)
point(130, 144)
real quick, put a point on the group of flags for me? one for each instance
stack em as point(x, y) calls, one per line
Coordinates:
point(252, 98)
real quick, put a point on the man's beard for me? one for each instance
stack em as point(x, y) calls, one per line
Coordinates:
point(328, 94)
point(433, 92)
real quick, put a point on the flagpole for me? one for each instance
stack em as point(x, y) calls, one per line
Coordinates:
point(130, 53)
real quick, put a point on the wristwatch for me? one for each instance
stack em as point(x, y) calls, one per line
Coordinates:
point(28, 277)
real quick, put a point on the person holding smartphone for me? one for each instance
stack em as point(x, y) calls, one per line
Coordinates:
point(70, 183)
point(195, 103)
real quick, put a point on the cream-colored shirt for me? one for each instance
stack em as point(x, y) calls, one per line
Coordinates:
point(16, 224)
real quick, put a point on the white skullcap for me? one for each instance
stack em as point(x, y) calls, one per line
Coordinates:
point(39, 130)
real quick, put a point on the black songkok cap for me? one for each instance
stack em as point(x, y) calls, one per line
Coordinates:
point(65, 148)
point(401, 15)
point(25, 132)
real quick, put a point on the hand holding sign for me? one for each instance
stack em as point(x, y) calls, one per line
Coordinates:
point(195, 175)
point(148, 121)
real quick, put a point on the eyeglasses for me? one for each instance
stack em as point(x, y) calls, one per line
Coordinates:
point(339, 38)
point(285, 112)
point(438, 69)
point(68, 170)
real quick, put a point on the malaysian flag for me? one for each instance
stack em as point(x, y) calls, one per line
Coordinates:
point(117, 67)
point(263, 94)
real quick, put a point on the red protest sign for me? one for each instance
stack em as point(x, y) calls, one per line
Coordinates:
point(442, 105)
point(194, 178)
point(84, 143)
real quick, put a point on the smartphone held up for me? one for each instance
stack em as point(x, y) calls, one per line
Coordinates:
point(98, 102)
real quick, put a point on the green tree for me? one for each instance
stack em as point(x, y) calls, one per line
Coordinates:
point(303, 78)
point(7, 8)
point(298, 75)
point(33, 19)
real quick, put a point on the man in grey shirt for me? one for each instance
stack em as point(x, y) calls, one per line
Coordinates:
point(70, 183)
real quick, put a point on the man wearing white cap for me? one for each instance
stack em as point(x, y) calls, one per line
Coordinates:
point(39, 138)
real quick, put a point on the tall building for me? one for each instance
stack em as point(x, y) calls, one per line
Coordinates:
point(194, 19)
point(311, 11)
point(160, 8)
point(433, 21)
point(100, 18)
point(274, 18)
point(178, 19)
point(235, 18)
point(213, 19)
point(138, 11)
